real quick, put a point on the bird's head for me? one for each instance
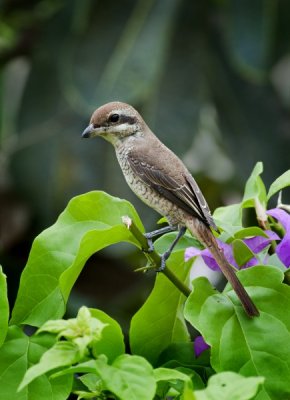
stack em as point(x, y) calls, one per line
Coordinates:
point(114, 122)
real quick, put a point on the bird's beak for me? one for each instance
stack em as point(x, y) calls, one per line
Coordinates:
point(88, 132)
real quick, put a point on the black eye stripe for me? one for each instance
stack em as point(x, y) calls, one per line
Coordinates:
point(122, 118)
point(128, 119)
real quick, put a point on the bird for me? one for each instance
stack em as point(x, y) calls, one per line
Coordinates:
point(162, 181)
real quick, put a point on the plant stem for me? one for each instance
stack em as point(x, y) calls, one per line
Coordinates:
point(153, 257)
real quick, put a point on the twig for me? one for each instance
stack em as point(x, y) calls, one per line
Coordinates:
point(153, 257)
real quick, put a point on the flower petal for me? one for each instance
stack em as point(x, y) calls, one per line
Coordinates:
point(210, 261)
point(208, 258)
point(199, 346)
point(283, 248)
point(258, 243)
point(192, 252)
point(205, 254)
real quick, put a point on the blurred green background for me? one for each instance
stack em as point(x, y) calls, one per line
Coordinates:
point(211, 78)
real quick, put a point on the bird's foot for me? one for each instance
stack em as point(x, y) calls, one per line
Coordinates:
point(164, 258)
point(166, 254)
point(150, 244)
point(150, 235)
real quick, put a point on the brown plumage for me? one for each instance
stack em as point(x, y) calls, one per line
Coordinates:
point(160, 179)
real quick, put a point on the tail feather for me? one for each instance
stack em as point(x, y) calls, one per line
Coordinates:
point(204, 234)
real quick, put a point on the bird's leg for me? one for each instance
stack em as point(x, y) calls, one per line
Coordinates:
point(150, 235)
point(167, 253)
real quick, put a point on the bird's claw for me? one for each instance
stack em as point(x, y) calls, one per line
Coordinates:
point(149, 243)
point(150, 235)
point(164, 258)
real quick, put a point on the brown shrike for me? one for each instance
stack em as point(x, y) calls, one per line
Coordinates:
point(161, 180)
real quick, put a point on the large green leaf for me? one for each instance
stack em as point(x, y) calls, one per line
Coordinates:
point(111, 342)
point(89, 223)
point(229, 218)
point(86, 331)
point(167, 374)
point(252, 347)
point(4, 307)
point(61, 354)
point(159, 322)
point(230, 386)
point(17, 354)
point(129, 377)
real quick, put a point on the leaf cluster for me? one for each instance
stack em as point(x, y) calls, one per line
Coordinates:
point(86, 355)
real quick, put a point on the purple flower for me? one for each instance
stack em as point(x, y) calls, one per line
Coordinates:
point(207, 256)
point(256, 244)
point(259, 243)
point(199, 346)
point(283, 248)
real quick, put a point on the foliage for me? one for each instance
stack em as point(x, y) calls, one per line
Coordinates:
point(211, 78)
point(244, 358)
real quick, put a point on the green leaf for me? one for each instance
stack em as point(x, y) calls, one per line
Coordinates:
point(167, 374)
point(60, 354)
point(255, 194)
point(255, 189)
point(252, 347)
point(54, 326)
point(93, 384)
point(159, 322)
point(188, 394)
point(84, 367)
point(279, 184)
point(162, 220)
point(4, 307)
point(242, 253)
point(181, 356)
point(91, 381)
point(182, 353)
point(230, 386)
point(17, 354)
point(129, 377)
point(229, 218)
point(89, 223)
point(167, 378)
point(194, 376)
point(111, 342)
point(164, 242)
point(250, 231)
point(86, 395)
point(275, 261)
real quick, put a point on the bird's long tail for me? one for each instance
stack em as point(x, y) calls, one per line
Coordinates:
point(204, 234)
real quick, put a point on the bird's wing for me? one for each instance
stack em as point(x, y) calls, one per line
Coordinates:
point(183, 191)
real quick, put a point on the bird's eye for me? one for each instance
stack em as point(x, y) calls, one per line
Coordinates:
point(114, 118)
